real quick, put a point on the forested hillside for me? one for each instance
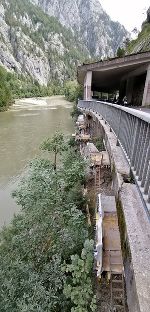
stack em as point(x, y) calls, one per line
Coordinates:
point(5, 93)
point(14, 86)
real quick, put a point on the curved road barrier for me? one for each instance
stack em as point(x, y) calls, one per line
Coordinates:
point(132, 129)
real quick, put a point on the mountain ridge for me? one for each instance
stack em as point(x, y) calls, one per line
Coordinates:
point(36, 44)
point(99, 33)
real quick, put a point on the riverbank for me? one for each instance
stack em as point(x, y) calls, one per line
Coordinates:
point(42, 102)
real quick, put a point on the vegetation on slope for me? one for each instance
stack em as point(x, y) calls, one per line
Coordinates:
point(73, 91)
point(13, 86)
point(142, 43)
point(46, 255)
point(5, 94)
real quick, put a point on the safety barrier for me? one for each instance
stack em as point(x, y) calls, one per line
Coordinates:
point(132, 129)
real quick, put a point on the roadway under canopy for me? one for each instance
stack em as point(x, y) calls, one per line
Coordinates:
point(108, 75)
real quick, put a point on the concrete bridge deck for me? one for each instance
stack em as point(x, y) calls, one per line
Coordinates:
point(130, 75)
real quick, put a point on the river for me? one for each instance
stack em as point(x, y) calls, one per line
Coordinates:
point(22, 129)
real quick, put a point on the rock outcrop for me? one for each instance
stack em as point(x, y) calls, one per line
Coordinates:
point(32, 43)
point(87, 18)
point(148, 15)
point(49, 39)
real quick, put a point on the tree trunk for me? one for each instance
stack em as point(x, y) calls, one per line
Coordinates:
point(55, 160)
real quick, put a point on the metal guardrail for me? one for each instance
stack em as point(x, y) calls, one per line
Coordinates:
point(132, 129)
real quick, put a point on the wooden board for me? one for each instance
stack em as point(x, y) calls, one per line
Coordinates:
point(83, 137)
point(112, 255)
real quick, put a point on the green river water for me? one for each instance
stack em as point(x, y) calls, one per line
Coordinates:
point(22, 129)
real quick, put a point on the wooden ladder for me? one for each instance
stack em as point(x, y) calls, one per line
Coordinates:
point(97, 179)
point(117, 292)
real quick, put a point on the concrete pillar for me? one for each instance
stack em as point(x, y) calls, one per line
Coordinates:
point(146, 95)
point(122, 89)
point(129, 89)
point(87, 86)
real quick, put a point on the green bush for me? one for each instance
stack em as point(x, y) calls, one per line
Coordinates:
point(72, 91)
point(49, 230)
point(13, 86)
point(120, 52)
point(5, 94)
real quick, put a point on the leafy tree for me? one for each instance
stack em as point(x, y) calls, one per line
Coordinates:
point(56, 144)
point(78, 286)
point(75, 111)
point(22, 86)
point(5, 94)
point(72, 91)
point(46, 233)
point(120, 52)
point(75, 169)
point(75, 194)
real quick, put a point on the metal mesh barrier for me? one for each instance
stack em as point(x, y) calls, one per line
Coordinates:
point(132, 129)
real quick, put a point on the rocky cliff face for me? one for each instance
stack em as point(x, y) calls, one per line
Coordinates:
point(47, 39)
point(19, 53)
point(87, 18)
point(35, 44)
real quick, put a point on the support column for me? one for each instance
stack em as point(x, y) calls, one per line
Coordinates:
point(146, 95)
point(87, 86)
point(129, 89)
point(122, 90)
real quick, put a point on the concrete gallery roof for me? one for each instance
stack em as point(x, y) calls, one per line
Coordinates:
point(106, 75)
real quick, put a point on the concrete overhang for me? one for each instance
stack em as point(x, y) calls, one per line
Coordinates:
point(107, 75)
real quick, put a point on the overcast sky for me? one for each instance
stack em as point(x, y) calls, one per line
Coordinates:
point(130, 13)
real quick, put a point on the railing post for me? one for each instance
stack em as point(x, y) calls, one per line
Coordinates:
point(147, 158)
point(134, 145)
point(120, 115)
point(144, 146)
point(131, 133)
point(147, 181)
point(148, 195)
point(141, 145)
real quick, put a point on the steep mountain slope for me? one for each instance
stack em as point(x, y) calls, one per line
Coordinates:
point(35, 44)
point(142, 43)
point(99, 33)
point(47, 39)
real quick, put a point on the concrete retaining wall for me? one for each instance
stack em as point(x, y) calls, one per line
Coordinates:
point(134, 225)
